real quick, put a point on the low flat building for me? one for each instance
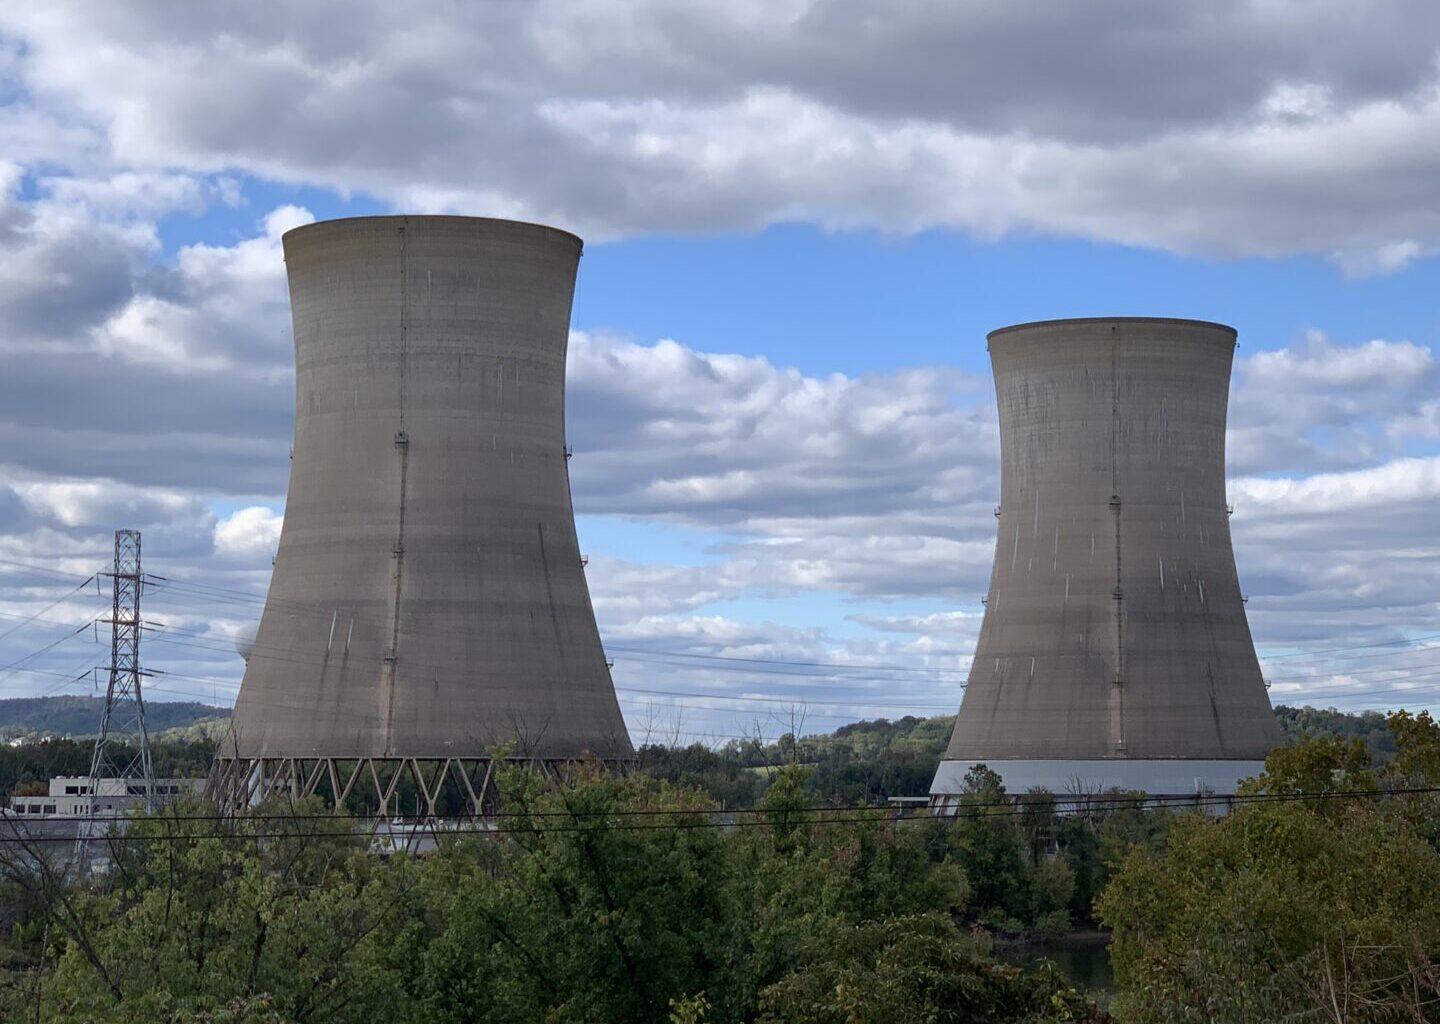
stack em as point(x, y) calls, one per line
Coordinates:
point(69, 796)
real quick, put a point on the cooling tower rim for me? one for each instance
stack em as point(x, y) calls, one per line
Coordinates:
point(346, 223)
point(1065, 322)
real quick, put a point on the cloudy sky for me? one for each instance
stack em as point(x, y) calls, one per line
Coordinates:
point(802, 216)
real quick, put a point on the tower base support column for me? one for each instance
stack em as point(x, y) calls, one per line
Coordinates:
point(381, 787)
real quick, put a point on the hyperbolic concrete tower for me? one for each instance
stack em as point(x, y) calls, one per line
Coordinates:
point(428, 600)
point(1114, 650)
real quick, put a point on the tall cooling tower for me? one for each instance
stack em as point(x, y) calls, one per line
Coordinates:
point(428, 603)
point(1114, 650)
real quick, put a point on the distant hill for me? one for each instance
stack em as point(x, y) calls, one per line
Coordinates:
point(911, 738)
point(80, 716)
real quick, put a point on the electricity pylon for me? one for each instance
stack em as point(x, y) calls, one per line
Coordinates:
point(122, 748)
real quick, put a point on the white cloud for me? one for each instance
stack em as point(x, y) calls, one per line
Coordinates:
point(224, 308)
point(1259, 129)
point(1423, 422)
point(663, 430)
point(1343, 407)
point(1386, 258)
point(1395, 484)
point(74, 503)
point(249, 534)
point(862, 489)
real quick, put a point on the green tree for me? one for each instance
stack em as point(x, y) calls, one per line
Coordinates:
point(915, 968)
point(988, 845)
point(603, 901)
point(196, 913)
point(1287, 908)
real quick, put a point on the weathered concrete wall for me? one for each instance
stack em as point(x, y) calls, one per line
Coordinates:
point(428, 598)
point(1114, 626)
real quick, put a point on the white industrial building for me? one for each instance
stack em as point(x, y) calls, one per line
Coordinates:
point(69, 796)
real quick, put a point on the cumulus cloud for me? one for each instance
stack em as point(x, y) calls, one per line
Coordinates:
point(248, 533)
point(1238, 128)
point(1340, 558)
point(168, 375)
point(221, 308)
point(60, 277)
point(663, 430)
point(1345, 406)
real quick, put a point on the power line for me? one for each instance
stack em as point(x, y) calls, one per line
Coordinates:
point(1357, 647)
point(860, 666)
point(40, 568)
point(1016, 807)
point(805, 700)
point(1338, 665)
point(653, 655)
point(48, 647)
point(54, 604)
point(783, 700)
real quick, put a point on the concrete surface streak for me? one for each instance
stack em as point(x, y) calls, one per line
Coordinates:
point(428, 598)
point(1114, 626)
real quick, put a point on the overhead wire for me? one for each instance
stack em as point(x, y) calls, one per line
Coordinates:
point(49, 607)
point(1009, 808)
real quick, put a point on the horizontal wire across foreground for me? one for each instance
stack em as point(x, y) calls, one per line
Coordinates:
point(871, 814)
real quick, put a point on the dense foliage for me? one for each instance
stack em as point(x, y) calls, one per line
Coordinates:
point(1370, 727)
point(863, 762)
point(604, 900)
point(640, 899)
point(1315, 901)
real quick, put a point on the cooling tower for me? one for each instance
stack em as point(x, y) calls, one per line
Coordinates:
point(428, 602)
point(1114, 650)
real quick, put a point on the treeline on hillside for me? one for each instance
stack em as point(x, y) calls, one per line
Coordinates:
point(864, 762)
point(868, 762)
point(80, 716)
point(1326, 723)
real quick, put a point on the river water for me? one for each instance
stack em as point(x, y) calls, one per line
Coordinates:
point(1083, 958)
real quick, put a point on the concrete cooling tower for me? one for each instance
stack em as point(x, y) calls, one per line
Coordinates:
point(1114, 651)
point(428, 605)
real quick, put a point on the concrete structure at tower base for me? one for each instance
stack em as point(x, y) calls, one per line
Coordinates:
point(1075, 781)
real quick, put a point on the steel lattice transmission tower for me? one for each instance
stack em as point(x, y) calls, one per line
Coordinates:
point(122, 749)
